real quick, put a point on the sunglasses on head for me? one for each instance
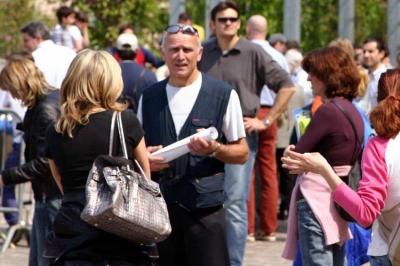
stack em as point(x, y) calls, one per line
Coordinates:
point(224, 20)
point(185, 29)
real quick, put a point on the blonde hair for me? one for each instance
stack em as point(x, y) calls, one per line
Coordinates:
point(362, 88)
point(93, 80)
point(345, 44)
point(24, 81)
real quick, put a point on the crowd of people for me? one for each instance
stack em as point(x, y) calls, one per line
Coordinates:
point(245, 87)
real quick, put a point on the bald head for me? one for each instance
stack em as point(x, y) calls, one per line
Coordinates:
point(257, 27)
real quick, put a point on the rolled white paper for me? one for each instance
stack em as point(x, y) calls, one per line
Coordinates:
point(179, 148)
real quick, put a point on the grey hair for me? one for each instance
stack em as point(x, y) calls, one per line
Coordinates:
point(35, 28)
point(165, 34)
point(293, 57)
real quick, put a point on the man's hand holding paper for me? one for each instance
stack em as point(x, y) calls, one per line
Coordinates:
point(203, 142)
point(199, 145)
point(156, 162)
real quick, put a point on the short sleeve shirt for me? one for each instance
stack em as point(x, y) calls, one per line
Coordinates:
point(247, 68)
point(74, 157)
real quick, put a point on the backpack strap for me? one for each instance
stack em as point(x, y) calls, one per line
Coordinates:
point(134, 90)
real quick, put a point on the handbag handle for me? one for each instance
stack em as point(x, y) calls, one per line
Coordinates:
point(122, 139)
point(111, 141)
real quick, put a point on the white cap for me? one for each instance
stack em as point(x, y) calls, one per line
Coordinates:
point(127, 39)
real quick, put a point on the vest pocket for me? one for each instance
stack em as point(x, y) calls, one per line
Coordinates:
point(198, 123)
point(205, 192)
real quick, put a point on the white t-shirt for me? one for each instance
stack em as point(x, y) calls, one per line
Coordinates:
point(53, 60)
point(181, 102)
point(75, 33)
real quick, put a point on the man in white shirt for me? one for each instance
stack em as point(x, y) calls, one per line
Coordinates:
point(374, 52)
point(256, 31)
point(53, 60)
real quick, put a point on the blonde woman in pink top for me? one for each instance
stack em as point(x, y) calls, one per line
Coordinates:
point(378, 197)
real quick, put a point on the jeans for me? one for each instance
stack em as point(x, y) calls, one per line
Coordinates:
point(237, 187)
point(314, 251)
point(45, 212)
point(380, 261)
point(9, 191)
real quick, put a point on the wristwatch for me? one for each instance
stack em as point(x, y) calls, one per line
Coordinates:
point(214, 153)
point(266, 122)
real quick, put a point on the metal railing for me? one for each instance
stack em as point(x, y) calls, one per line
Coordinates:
point(23, 225)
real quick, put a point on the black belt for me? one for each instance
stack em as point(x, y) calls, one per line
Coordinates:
point(265, 106)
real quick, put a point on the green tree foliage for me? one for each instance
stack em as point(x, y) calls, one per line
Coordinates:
point(13, 15)
point(147, 17)
point(370, 20)
point(319, 23)
point(319, 19)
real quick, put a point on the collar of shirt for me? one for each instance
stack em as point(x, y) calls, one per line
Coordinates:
point(45, 44)
point(238, 46)
point(377, 73)
point(263, 43)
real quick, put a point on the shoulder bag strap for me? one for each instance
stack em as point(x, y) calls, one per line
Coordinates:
point(351, 123)
point(110, 144)
point(133, 101)
point(121, 135)
point(123, 145)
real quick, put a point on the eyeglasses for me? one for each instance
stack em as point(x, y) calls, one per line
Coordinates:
point(186, 29)
point(224, 20)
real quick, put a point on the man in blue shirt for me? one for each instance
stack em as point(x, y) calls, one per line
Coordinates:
point(136, 77)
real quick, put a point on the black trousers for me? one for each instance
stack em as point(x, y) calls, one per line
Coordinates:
point(100, 263)
point(197, 239)
point(286, 182)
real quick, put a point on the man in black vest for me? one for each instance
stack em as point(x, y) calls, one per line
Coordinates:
point(193, 184)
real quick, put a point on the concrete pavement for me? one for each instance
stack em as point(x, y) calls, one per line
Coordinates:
point(257, 253)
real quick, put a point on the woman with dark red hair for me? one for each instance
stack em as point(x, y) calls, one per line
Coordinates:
point(313, 219)
point(378, 196)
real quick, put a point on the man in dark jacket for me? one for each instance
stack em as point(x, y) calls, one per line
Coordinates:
point(42, 111)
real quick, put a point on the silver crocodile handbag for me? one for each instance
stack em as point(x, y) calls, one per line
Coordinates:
point(123, 202)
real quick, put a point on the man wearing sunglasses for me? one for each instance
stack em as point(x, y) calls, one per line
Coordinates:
point(246, 67)
point(193, 184)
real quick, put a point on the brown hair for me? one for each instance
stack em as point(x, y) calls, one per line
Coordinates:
point(223, 5)
point(385, 117)
point(24, 81)
point(348, 47)
point(336, 69)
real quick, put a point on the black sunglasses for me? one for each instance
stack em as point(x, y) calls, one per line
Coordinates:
point(186, 29)
point(224, 20)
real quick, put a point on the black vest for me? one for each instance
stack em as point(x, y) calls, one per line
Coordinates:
point(193, 181)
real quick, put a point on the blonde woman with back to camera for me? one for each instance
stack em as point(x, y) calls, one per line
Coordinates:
point(88, 100)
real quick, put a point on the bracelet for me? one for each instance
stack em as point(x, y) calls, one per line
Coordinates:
point(214, 153)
